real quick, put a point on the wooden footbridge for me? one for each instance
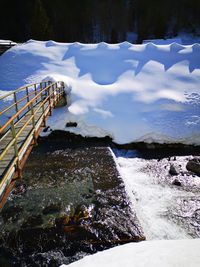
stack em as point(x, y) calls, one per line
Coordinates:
point(23, 114)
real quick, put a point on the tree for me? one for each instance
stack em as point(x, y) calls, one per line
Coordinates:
point(40, 23)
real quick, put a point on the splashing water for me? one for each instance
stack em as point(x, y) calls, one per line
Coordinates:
point(165, 211)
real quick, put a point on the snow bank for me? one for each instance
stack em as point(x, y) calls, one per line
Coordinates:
point(174, 253)
point(130, 92)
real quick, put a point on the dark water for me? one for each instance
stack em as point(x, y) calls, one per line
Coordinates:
point(70, 203)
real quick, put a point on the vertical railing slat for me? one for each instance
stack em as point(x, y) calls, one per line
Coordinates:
point(35, 92)
point(13, 131)
point(16, 105)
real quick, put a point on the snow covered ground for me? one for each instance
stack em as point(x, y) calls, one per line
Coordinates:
point(130, 92)
point(179, 253)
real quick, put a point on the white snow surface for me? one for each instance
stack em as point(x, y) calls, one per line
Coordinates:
point(130, 92)
point(176, 253)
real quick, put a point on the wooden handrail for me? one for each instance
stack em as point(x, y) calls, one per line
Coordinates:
point(11, 43)
point(22, 109)
point(22, 88)
point(16, 102)
point(24, 126)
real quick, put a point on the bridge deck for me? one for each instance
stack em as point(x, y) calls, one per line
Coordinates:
point(20, 132)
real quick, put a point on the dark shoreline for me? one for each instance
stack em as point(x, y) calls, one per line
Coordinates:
point(147, 150)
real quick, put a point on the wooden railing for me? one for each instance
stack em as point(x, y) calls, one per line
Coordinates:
point(24, 113)
point(5, 45)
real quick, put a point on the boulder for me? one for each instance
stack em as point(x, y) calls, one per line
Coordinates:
point(193, 165)
point(174, 170)
point(176, 182)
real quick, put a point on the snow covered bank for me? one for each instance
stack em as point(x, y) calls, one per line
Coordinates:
point(129, 92)
point(176, 253)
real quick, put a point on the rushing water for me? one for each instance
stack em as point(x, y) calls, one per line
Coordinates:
point(165, 210)
point(70, 203)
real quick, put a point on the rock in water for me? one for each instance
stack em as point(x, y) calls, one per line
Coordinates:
point(52, 208)
point(33, 221)
point(174, 170)
point(176, 182)
point(193, 165)
point(71, 124)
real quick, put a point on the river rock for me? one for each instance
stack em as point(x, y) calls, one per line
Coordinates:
point(46, 129)
point(19, 189)
point(52, 208)
point(176, 182)
point(196, 215)
point(11, 212)
point(71, 124)
point(193, 165)
point(33, 221)
point(174, 170)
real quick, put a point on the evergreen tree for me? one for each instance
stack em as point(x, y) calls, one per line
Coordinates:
point(97, 20)
point(40, 23)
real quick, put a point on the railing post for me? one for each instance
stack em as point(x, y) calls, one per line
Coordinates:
point(27, 97)
point(43, 108)
point(55, 92)
point(41, 90)
point(60, 93)
point(27, 94)
point(35, 92)
point(43, 111)
point(33, 122)
point(54, 96)
point(49, 95)
point(14, 137)
point(18, 169)
point(16, 105)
